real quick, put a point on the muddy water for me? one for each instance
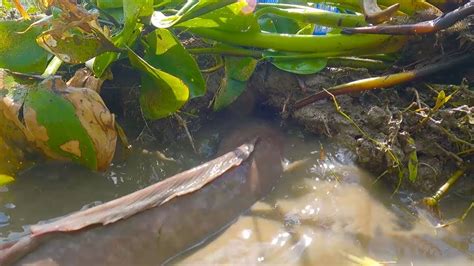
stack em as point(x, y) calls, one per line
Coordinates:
point(324, 212)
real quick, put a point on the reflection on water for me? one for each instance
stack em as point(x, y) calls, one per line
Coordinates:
point(319, 214)
point(327, 211)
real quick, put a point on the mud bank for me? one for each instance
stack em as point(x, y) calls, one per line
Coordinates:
point(390, 120)
point(386, 126)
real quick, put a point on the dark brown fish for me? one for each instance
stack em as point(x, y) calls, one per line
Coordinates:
point(152, 225)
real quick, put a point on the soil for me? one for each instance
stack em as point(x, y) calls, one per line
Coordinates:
point(388, 119)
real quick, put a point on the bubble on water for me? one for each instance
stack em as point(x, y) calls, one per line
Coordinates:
point(246, 233)
point(4, 219)
point(10, 206)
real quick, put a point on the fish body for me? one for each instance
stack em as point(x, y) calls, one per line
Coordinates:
point(144, 228)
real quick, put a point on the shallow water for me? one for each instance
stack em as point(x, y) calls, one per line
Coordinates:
point(321, 213)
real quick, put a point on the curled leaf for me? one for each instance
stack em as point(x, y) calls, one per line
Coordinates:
point(96, 119)
point(161, 93)
point(69, 123)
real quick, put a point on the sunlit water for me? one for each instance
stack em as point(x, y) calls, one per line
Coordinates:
point(325, 212)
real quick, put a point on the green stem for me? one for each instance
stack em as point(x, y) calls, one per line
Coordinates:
point(226, 51)
point(205, 9)
point(321, 46)
point(332, 62)
point(52, 68)
point(315, 16)
point(186, 7)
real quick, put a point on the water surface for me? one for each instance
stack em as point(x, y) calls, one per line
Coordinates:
point(323, 213)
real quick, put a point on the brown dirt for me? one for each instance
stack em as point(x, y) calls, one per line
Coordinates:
point(387, 121)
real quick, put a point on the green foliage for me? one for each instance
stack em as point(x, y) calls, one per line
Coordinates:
point(165, 52)
point(132, 10)
point(53, 121)
point(161, 93)
point(237, 72)
point(229, 19)
point(297, 65)
point(57, 118)
point(5, 179)
point(412, 162)
point(66, 46)
point(19, 51)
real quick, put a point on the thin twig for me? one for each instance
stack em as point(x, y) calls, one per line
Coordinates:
point(183, 123)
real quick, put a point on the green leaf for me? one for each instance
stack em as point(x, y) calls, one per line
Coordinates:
point(165, 52)
point(229, 91)
point(191, 9)
point(52, 121)
point(240, 68)
point(19, 51)
point(266, 24)
point(161, 93)
point(412, 162)
point(132, 10)
point(301, 66)
point(74, 47)
point(237, 71)
point(228, 18)
point(105, 4)
point(5, 179)
point(294, 63)
point(283, 24)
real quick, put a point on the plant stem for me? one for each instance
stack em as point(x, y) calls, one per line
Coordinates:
point(205, 9)
point(332, 62)
point(315, 16)
point(321, 46)
point(52, 68)
point(355, 62)
point(383, 81)
point(233, 51)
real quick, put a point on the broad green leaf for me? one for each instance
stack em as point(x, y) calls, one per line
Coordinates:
point(132, 10)
point(97, 120)
point(5, 179)
point(161, 93)
point(229, 91)
point(106, 4)
point(240, 68)
point(295, 62)
point(300, 66)
point(266, 24)
point(19, 51)
point(412, 162)
point(52, 121)
point(191, 9)
point(284, 25)
point(228, 18)
point(74, 47)
point(166, 53)
point(237, 71)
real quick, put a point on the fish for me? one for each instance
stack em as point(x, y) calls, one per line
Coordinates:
point(159, 222)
